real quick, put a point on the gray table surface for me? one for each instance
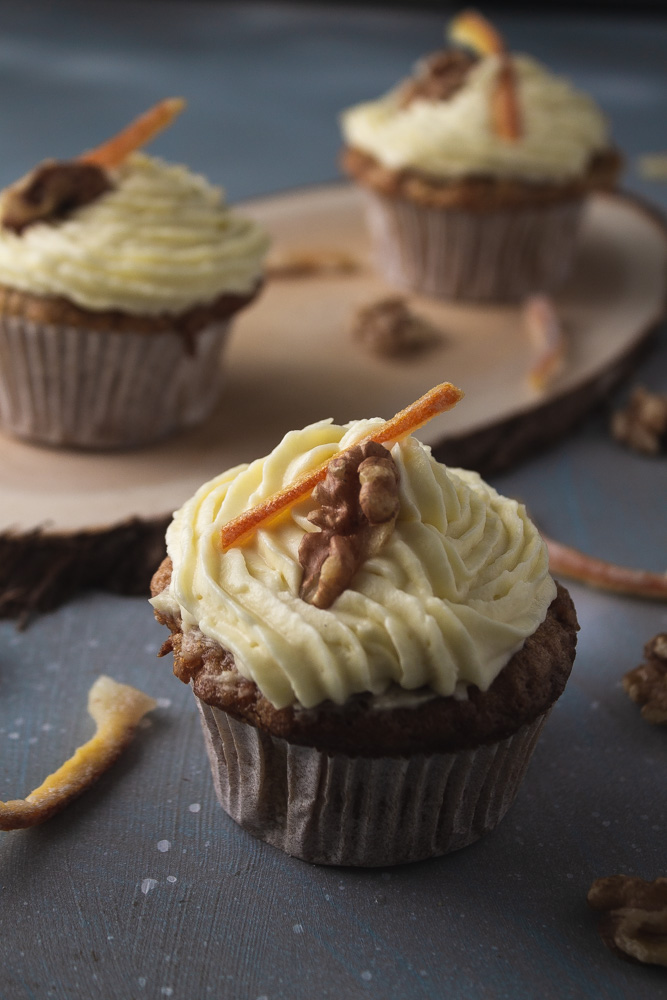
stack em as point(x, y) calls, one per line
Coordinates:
point(143, 887)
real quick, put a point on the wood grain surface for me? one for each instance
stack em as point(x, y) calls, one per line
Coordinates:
point(292, 361)
point(143, 888)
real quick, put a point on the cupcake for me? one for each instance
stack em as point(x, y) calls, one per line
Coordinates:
point(119, 276)
point(374, 660)
point(475, 170)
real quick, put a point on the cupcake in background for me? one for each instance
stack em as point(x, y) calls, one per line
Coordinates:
point(476, 170)
point(374, 659)
point(119, 276)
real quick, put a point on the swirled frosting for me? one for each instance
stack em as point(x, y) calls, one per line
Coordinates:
point(562, 129)
point(461, 583)
point(162, 241)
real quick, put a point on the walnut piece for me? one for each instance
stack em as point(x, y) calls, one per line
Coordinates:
point(389, 328)
point(647, 683)
point(356, 512)
point(634, 922)
point(437, 77)
point(642, 425)
point(51, 191)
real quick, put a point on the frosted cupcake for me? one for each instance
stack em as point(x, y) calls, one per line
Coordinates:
point(373, 661)
point(119, 276)
point(476, 169)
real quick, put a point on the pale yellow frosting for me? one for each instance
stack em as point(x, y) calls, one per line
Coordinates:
point(562, 129)
point(163, 240)
point(461, 583)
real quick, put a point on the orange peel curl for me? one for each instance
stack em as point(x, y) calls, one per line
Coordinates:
point(547, 337)
point(473, 31)
point(117, 710)
point(505, 113)
point(309, 263)
point(570, 562)
point(138, 133)
point(437, 400)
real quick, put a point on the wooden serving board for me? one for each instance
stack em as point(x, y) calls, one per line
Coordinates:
point(70, 519)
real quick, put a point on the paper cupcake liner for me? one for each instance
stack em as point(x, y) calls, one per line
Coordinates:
point(340, 810)
point(63, 385)
point(495, 256)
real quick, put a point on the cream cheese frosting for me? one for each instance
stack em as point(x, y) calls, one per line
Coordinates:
point(453, 594)
point(562, 129)
point(162, 241)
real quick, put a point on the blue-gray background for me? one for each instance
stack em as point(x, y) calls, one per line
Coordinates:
point(144, 888)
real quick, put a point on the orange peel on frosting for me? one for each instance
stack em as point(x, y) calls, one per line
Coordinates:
point(139, 132)
point(437, 400)
point(473, 31)
point(505, 103)
point(117, 710)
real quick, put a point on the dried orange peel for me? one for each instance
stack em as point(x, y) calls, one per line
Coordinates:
point(472, 30)
point(577, 565)
point(307, 263)
point(117, 710)
point(437, 400)
point(475, 32)
point(505, 103)
point(138, 133)
point(547, 337)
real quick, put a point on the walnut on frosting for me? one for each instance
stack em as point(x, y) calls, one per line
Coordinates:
point(51, 191)
point(357, 506)
point(437, 77)
point(634, 921)
point(647, 683)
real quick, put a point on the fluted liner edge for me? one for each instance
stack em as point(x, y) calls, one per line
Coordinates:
point(362, 811)
point(63, 385)
point(494, 256)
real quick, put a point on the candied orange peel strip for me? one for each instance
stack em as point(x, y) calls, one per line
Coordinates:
point(547, 336)
point(437, 400)
point(138, 133)
point(117, 710)
point(474, 31)
point(307, 263)
point(577, 565)
point(471, 29)
point(505, 103)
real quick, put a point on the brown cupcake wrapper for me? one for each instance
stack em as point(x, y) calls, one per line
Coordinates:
point(87, 388)
point(494, 256)
point(361, 811)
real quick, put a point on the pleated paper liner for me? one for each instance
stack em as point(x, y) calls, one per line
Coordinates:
point(495, 256)
point(363, 811)
point(86, 388)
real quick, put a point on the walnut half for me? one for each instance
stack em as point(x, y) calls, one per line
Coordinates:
point(356, 512)
point(437, 77)
point(389, 328)
point(642, 425)
point(647, 683)
point(51, 191)
point(634, 922)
